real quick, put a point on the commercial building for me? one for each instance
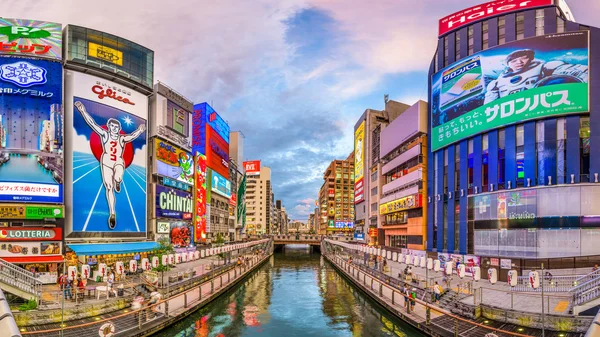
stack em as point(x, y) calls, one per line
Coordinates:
point(403, 154)
point(258, 204)
point(367, 167)
point(335, 197)
point(515, 137)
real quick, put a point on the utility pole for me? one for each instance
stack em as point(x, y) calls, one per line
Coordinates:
point(543, 314)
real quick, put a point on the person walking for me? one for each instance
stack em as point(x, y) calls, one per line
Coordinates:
point(405, 292)
point(437, 291)
point(63, 282)
point(110, 284)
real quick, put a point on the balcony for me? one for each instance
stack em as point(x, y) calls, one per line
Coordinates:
point(403, 181)
point(401, 159)
point(400, 194)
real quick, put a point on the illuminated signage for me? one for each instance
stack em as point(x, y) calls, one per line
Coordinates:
point(252, 167)
point(111, 93)
point(486, 10)
point(31, 38)
point(175, 184)
point(31, 234)
point(171, 203)
point(200, 210)
point(344, 224)
point(105, 53)
point(217, 152)
point(401, 204)
point(173, 162)
point(221, 185)
point(359, 159)
point(23, 74)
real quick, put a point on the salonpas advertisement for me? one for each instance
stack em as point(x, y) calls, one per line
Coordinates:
point(527, 79)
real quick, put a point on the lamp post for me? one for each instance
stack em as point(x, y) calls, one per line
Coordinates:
point(543, 314)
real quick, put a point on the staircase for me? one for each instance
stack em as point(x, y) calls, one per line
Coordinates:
point(19, 281)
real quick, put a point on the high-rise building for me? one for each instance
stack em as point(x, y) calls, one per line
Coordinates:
point(258, 204)
point(336, 196)
point(514, 148)
point(403, 173)
point(367, 165)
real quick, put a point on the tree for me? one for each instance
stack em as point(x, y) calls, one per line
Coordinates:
point(164, 248)
point(220, 241)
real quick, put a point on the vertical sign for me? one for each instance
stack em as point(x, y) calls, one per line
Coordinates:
point(359, 159)
point(200, 219)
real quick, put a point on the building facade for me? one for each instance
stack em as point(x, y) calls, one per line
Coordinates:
point(258, 195)
point(403, 154)
point(336, 197)
point(515, 136)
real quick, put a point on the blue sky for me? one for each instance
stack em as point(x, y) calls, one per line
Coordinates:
point(292, 75)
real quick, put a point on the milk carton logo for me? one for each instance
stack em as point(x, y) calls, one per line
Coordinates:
point(23, 74)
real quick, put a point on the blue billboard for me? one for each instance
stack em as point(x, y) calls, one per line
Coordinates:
point(359, 236)
point(212, 118)
point(31, 131)
point(220, 185)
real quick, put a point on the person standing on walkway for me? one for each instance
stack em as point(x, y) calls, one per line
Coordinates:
point(437, 290)
point(63, 282)
point(375, 263)
point(366, 257)
point(110, 284)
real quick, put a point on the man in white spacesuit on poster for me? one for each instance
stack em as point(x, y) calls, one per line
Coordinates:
point(524, 72)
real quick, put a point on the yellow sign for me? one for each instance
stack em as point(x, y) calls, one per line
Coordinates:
point(105, 53)
point(12, 212)
point(359, 149)
point(411, 201)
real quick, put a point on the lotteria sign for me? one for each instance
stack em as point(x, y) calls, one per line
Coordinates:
point(172, 203)
point(30, 234)
point(486, 10)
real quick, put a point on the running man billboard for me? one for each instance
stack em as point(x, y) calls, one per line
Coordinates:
point(528, 79)
point(31, 131)
point(107, 153)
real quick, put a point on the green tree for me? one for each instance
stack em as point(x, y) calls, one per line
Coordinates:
point(219, 241)
point(164, 248)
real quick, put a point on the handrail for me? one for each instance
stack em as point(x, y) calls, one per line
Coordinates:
point(440, 310)
point(20, 278)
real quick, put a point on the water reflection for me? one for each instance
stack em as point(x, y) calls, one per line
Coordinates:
point(295, 294)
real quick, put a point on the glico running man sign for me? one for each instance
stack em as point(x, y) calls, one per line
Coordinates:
point(523, 80)
point(108, 142)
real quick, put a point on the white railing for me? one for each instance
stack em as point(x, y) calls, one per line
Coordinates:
point(20, 278)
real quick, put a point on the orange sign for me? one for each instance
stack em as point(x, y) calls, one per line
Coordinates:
point(252, 167)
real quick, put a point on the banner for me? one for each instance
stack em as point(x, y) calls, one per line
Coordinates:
point(172, 203)
point(31, 131)
point(200, 218)
point(31, 38)
point(241, 205)
point(528, 79)
point(174, 162)
point(107, 137)
point(359, 159)
point(411, 201)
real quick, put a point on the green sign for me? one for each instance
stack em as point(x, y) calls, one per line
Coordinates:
point(526, 105)
point(16, 32)
point(330, 224)
point(41, 212)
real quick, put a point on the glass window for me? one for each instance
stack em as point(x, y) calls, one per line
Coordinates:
point(520, 26)
point(445, 171)
point(374, 207)
point(457, 46)
point(485, 34)
point(484, 163)
point(471, 40)
point(435, 63)
point(561, 151)
point(374, 176)
point(501, 160)
point(445, 50)
point(584, 148)
point(560, 25)
point(520, 156)
point(501, 30)
point(539, 22)
point(457, 167)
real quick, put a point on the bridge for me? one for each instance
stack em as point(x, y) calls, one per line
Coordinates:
point(309, 239)
point(30, 151)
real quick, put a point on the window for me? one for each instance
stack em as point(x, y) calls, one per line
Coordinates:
point(445, 225)
point(445, 50)
point(471, 39)
point(374, 176)
point(374, 191)
point(456, 226)
point(177, 118)
point(484, 163)
point(470, 166)
point(539, 22)
point(374, 207)
point(560, 25)
point(457, 46)
point(485, 34)
point(584, 148)
point(501, 30)
point(445, 171)
point(561, 151)
point(403, 169)
point(539, 154)
point(501, 160)
point(520, 26)
point(520, 156)
point(457, 167)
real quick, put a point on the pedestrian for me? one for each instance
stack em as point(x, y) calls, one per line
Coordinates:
point(63, 281)
point(413, 296)
point(385, 266)
point(110, 284)
point(68, 287)
point(366, 257)
point(80, 287)
point(138, 301)
point(406, 297)
point(375, 263)
point(595, 267)
point(437, 291)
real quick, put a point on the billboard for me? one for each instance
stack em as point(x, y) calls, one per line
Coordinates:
point(528, 79)
point(359, 162)
point(173, 162)
point(31, 130)
point(217, 152)
point(173, 204)
point(252, 167)
point(200, 211)
point(411, 201)
point(344, 224)
point(107, 138)
point(181, 234)
point(31, 212)
point(31, 38)
point(220, 185)
point(484, 11)
point(218, 124)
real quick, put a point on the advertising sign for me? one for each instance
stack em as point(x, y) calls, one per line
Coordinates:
point(182, 234)
point(23, 211)
point(514, 205)
point(30, 234)
point(108, 166)
point(221, 185)
point(359, 236)
point(23, 249)
point(505, 263)
point(175, 184)
point(330, 224)
point(344, 224)
point(217, 123)
point(331, 192)
point(105, 53)
point(484, 11)
point(172, 203)
point(252, 167)
point(31, 131)
point(31, 38)
point(200, 210)
point(217, 152)
point(163, 227)
point(359, 159)
point(522, 80)
point(401, 204)
point(173, 162)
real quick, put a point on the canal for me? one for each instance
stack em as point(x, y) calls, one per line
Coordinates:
point(296, 293)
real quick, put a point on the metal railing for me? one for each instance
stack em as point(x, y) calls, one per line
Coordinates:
point(555, 284)
point(20, 278)
point(587, 291)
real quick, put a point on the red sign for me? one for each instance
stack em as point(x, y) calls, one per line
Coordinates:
point(233, 200)
point(359, 194)
point(217, 152)
point(331, 192)
point(200, 221)
point(372, 231)
point(252, 167)
point(110, 93)
point(486, 10)
point(31, 234)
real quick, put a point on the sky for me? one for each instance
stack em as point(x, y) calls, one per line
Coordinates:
point(292, 75)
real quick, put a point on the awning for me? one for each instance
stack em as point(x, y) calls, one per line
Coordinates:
point(113, 248)
point(34, 259)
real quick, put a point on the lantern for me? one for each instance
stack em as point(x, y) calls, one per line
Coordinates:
point(102, 269)
point(165, 260)
point(171, 259)
point(202, 254)
point(155, 262)
point(72, 272)
point(120, 268)
point(429, 263)
point(512, 278)
point(534, 279)
point(196, 255)
point(395, 257)
point(408, 259)
point(461, 270)
point(145, 264)
point(85, 271)
point(133, 266)
point(437, 265)
point(449, 267)
point(476, 273)
point(416, 261)
point(423, 262)
point(492, 275)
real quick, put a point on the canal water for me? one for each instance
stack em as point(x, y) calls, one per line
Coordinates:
point(296, 293)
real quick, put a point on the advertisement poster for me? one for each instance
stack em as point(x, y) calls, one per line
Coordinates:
point(221, 185)
point(522, 80)
point(217, 152)
point(359, 159)
point(252, 167)
point(505, 263)
point(108, 139)
point(471, 261)
point(31, 131)
point(173, 162)
point(23, 249)
point(200, 218)
point(182, 234)
point(31, 38)
point(173, 204)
